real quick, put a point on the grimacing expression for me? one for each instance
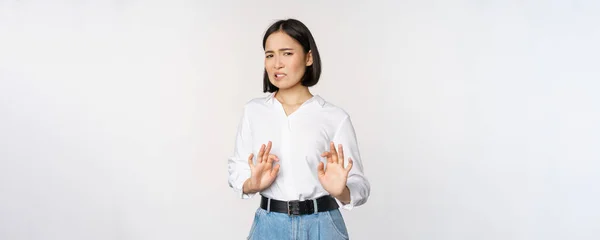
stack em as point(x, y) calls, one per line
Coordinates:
point(285, 60)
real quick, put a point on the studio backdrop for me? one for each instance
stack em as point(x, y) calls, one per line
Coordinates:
point(475, 119)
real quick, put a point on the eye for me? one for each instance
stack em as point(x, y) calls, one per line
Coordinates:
point(288, 54)
point(269, 56)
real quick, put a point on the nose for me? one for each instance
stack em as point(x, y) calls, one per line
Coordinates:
point(278, 63)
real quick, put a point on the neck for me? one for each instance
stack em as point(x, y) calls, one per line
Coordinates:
point(295, 95)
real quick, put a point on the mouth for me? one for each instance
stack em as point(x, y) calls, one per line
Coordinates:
point(279, 76)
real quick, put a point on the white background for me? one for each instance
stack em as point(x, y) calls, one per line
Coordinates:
point(476, 119)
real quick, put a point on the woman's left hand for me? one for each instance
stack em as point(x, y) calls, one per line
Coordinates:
point(333, 178)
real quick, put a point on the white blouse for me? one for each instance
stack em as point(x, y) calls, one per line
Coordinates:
point(298, 140)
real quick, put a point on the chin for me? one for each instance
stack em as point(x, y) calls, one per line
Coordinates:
point(282, 85)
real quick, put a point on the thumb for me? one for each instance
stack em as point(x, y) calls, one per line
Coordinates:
point(250, 160)
point(275, 170)
point(320, 169)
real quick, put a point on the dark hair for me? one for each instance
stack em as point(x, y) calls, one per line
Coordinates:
point(298, 31)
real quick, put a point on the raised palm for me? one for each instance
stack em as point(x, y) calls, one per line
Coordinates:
point(333, 178)
point(263, 173)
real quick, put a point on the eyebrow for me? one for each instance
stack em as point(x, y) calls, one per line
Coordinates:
point(281, 49)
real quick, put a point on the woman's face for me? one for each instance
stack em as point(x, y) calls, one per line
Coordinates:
point(285, 61)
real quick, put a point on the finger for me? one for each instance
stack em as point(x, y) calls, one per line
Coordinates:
point(341, 154)
point(250, 161)
point(261, 152)
point(321, 169)
point(275, 170)
point(328, 156)
point(350, 163)
point(267, 151)
point(271, 159)
point(334, 154)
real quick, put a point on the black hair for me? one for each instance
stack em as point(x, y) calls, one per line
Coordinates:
point(298, 31)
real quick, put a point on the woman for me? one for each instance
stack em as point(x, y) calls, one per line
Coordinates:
point(285, 146)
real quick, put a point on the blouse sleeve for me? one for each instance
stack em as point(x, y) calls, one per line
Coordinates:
point(239, 170)
point(357, 183)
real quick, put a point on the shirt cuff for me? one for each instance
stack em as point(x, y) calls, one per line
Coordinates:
point(240, 191)
point(246, 195)
point(348, 206)
point(354, 196)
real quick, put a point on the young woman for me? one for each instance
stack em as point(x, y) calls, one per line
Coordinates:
point(286, 149)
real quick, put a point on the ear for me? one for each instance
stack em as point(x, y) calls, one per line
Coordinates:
point(309, 58)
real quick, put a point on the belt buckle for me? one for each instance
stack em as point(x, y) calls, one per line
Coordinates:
point(293, 207)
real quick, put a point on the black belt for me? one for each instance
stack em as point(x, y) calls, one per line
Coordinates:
point(324, 204)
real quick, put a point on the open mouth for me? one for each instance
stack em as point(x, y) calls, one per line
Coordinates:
point(279, 76)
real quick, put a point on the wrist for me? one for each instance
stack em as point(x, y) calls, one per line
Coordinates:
point(248, 188)
point(344, 196)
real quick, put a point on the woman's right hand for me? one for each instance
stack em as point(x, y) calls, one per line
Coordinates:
point(263, 173)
